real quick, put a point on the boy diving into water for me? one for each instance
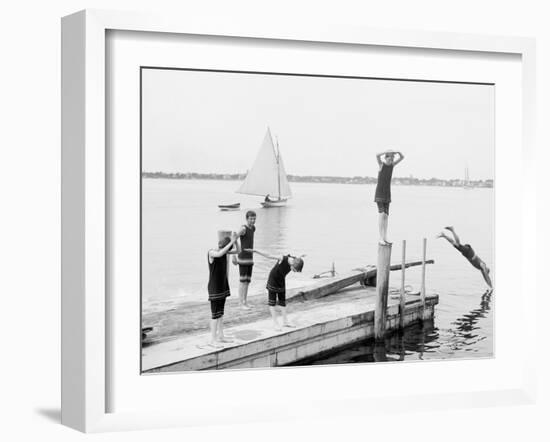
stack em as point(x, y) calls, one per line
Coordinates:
point(276, 284)
point(386, 163)
point(468, 253)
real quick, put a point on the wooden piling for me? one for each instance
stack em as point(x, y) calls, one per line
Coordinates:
point(382, 284)
point(402, 297)
point(423, 281)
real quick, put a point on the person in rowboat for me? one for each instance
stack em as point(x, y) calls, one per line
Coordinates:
point(218, 287)
point(386, 162)
point(468, 253)
point(245, 259)
point(276, 284)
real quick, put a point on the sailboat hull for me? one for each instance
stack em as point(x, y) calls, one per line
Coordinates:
point(278, 203)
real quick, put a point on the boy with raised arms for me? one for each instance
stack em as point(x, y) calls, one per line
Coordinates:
point(218, 287)
point(386, 162)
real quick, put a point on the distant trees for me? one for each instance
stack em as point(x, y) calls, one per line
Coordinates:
point(405, 181)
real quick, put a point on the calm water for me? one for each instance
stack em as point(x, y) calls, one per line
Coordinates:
point(329, 222)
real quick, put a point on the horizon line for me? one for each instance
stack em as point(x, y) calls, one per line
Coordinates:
point(317, 176)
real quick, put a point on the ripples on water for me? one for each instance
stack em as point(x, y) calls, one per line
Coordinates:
point(419, 342)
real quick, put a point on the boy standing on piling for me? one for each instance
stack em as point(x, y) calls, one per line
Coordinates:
point(218, 287)
point(276, 284)
point(386, 162)
point(245, 259)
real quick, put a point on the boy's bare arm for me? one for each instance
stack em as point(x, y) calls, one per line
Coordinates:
point(265, 255)
point(237, 248)
point(221, 252)
point(239, 233)
point(401, 157)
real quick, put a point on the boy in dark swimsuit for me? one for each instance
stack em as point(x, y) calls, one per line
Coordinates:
point(386, 163)
point(218, 287)
point(468, 253)
point(276, 284)
point(245, 259)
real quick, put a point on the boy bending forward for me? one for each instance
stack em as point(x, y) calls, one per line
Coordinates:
point(276, 284)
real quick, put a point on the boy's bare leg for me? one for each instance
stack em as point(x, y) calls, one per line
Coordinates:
point(213, 329)
point(285, 319)
point(442, 235)
point(245, 297)
point(243, 294)
point(273, 312)
point(214, 333)
point(383, 227)
point(455, 236)
point(220, 334)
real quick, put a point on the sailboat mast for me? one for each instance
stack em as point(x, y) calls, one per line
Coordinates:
point(278, 170)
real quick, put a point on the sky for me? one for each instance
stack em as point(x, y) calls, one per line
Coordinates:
point(215, 122)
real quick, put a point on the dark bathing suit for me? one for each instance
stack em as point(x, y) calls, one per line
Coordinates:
point(276, 283)
point(469, 254)
point(218, 285)
point(382, 197)
point(245, 259)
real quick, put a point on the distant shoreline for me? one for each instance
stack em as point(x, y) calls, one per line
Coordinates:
point(407, 181)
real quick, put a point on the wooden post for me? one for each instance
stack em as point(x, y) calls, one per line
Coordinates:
point(402, 297)
point(382, 283)
point(423, 281)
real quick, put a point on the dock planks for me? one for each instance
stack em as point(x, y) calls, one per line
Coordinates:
point(326, 324)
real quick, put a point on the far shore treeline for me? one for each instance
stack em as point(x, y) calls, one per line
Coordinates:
point(407, 181)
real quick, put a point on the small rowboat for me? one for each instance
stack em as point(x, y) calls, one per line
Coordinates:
point(236, 206)
point(145, 331)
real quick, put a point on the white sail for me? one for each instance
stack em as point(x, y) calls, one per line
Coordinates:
point(267, 176)
point(284, 187)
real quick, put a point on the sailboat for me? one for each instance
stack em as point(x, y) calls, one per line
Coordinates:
point(467, 183)
point(267, 177)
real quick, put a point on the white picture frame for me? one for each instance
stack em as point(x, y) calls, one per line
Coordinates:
point(86, 205)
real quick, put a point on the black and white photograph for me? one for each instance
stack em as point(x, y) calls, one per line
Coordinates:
point(301, 220)
point(306, 219)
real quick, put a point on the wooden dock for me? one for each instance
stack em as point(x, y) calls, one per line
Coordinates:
point(329, 322)
point(191, 318)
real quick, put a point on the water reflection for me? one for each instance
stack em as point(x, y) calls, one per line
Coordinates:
point(467, 323)
point(466, 330)
point(271, 229)
point(394, 348)
point(417, 342)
